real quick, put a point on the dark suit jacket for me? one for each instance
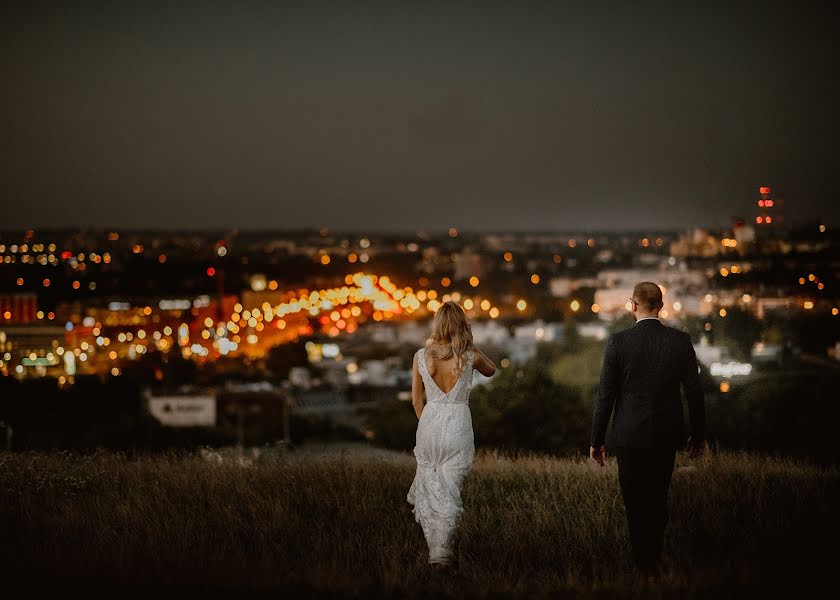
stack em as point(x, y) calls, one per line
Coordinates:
point(640, 382)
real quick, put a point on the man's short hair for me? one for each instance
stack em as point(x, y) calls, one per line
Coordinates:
point(648, 295)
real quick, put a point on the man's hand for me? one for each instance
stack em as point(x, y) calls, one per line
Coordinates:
point(599, 455)
point(695, 449)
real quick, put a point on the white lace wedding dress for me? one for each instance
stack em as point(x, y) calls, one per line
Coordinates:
point(444, 451)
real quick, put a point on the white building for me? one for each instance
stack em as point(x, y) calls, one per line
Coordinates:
point(681, 288)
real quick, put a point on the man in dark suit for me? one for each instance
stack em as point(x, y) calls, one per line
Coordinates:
point(640, 387)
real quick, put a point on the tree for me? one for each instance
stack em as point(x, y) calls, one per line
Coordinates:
point(738, 330)
point(523, 408)
point(283, 357)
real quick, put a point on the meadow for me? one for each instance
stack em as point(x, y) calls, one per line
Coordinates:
point(340, 525)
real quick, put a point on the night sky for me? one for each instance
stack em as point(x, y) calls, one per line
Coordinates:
point(397, 116)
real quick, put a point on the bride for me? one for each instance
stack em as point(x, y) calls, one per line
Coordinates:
point(444, 449)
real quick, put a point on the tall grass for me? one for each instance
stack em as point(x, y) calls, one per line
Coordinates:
point(532, 526)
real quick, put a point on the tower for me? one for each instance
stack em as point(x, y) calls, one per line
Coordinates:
point(766, 205)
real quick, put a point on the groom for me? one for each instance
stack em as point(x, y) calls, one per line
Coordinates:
point(640, 383)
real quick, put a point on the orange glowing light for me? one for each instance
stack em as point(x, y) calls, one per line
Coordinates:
point(474, 281)
point(325, 259)
point(446, 282)
point(759, 219)
point(768, 219)
point(535, 279)
point(20, 280)
point(508, 256)
point(46, 283)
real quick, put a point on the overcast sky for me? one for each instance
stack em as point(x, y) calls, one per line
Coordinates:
point(398, 116)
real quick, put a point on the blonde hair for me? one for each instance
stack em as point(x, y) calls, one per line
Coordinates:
point(451, 327)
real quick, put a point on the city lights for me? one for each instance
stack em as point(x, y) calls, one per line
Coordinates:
point(260, 303)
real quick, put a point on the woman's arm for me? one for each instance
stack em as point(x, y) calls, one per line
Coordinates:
point(417, 388)
point(483, 364)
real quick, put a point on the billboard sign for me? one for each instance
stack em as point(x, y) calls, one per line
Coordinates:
point(184, 411)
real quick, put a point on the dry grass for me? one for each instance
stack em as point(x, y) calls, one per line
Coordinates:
point(532, 526)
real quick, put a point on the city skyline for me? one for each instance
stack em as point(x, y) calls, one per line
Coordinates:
point(381, 118)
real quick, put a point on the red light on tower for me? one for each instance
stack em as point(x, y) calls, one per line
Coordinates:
point(765, 203)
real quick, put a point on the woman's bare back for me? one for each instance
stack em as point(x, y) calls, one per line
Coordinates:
point(444, 372)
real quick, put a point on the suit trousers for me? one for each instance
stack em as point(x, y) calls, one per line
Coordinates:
point(644, 475)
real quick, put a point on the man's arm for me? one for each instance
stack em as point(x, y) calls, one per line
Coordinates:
point(694, 395)
point(608, 388)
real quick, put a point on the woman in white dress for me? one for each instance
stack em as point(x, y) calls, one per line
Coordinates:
point(444, 449)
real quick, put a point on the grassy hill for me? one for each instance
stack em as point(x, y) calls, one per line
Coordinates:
point(340, 525)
